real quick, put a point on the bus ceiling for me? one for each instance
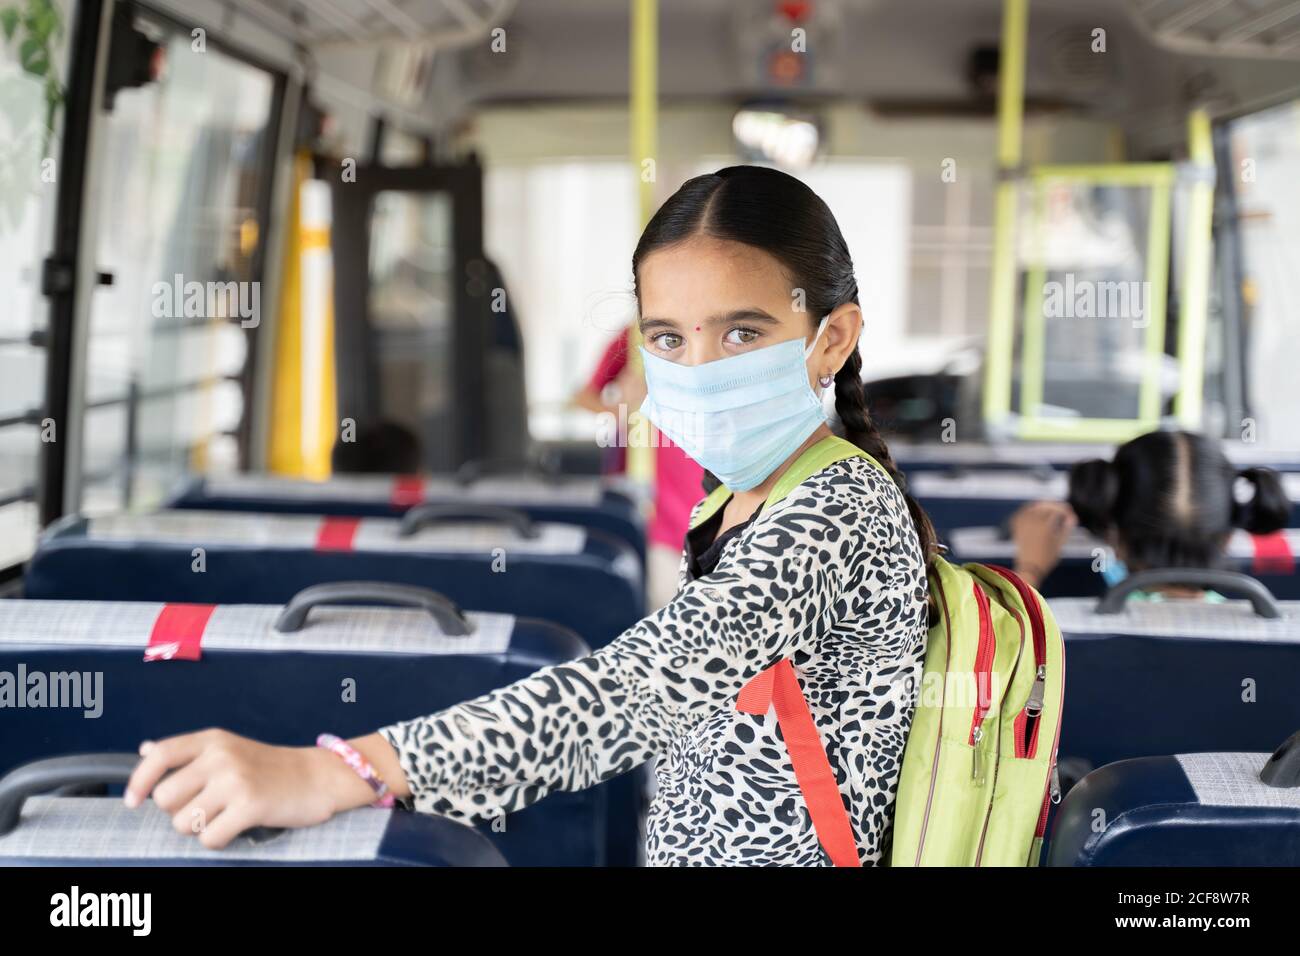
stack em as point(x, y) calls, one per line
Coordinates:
point(433, 64)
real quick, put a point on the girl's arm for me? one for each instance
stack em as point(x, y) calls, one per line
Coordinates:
point(572, 725)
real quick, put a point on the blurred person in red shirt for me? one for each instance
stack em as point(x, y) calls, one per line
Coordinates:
point(618, 388)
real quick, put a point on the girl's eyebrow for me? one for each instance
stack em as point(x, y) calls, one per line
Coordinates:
point(647, 323)
point(757, 315)
point(760, 316)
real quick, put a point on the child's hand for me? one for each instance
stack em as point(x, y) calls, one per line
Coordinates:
point(1040, 530)
point(223, 784)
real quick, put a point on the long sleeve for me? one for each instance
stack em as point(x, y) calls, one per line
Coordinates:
point(775, 594)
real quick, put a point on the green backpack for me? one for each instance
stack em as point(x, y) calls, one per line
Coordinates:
point(979, 767)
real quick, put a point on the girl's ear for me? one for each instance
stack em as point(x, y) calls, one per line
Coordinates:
point(840, 338)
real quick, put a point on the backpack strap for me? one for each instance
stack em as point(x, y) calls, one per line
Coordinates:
point(821, 455)
point(710, 505)
point(824, 453)
point(778, 686)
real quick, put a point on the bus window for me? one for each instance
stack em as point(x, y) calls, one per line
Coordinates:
point(1079, 236)
point(179, 232)
point(28, 185)
point(1265, 177)
point(410, 265)
point(952, 238)
point(547, 224)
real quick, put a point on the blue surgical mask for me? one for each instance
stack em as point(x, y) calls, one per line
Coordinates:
point(738, 417)
point(1113, 571)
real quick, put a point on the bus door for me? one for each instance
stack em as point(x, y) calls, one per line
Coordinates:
point(413, 304)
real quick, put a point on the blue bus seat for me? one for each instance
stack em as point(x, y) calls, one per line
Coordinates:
point(586, 502)
point(1196, 809)
point(345, 670)
point(1176, 676)
point(101, 831)
point(267, 559)
point(981, 497)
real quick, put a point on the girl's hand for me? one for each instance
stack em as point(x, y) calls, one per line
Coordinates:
point(1040, 530)
point(223, 784)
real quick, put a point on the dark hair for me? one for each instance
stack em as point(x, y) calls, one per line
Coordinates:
point(1170, 497)
point(774, 212)
point(382, 447)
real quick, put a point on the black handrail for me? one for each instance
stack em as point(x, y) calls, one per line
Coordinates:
point(30, 417)
point(26, 493)
point(1223, 581)
point(166, 391)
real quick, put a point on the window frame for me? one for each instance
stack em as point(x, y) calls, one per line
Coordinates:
point(65, 272)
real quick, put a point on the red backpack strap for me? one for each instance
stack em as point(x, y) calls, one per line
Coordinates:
point(778, 686)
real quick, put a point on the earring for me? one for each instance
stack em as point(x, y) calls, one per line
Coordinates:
point(826, 381)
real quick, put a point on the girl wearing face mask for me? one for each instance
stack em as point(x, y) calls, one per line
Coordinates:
point(750, 315)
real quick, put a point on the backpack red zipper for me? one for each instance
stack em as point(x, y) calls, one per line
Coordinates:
point(1052, 787)
point(1027, 732)
point(1018, 725)
point(1052, 790)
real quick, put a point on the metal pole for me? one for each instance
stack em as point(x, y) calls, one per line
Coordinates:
point(1195, 293)
point(66, 272)
point(1002, 279)
point(643, 109)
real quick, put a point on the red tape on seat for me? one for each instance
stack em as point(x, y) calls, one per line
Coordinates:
point(778, 686)
point(1272, 554)
point(177, 633)
point(408, 491)
point(337, 534)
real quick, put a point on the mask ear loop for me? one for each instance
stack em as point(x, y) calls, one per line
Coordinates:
point(825, 381)
point(813, 344)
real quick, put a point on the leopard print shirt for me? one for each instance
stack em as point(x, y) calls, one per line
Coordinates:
point(830, 577)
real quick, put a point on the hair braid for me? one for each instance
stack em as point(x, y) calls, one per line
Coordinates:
point(861, 430)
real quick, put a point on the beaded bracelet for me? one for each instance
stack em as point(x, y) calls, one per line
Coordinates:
point(359, 765)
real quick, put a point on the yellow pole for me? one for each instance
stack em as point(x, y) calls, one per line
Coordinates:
point(1159, 225)
point(1033, 346)
point(645, 99)
point(643, 107)
point(1002, 280)
point(285, 440)
point(304, 421)
point(1194, 300)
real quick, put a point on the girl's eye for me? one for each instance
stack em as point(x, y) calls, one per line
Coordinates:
point(667, 341)
point(742, 336)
